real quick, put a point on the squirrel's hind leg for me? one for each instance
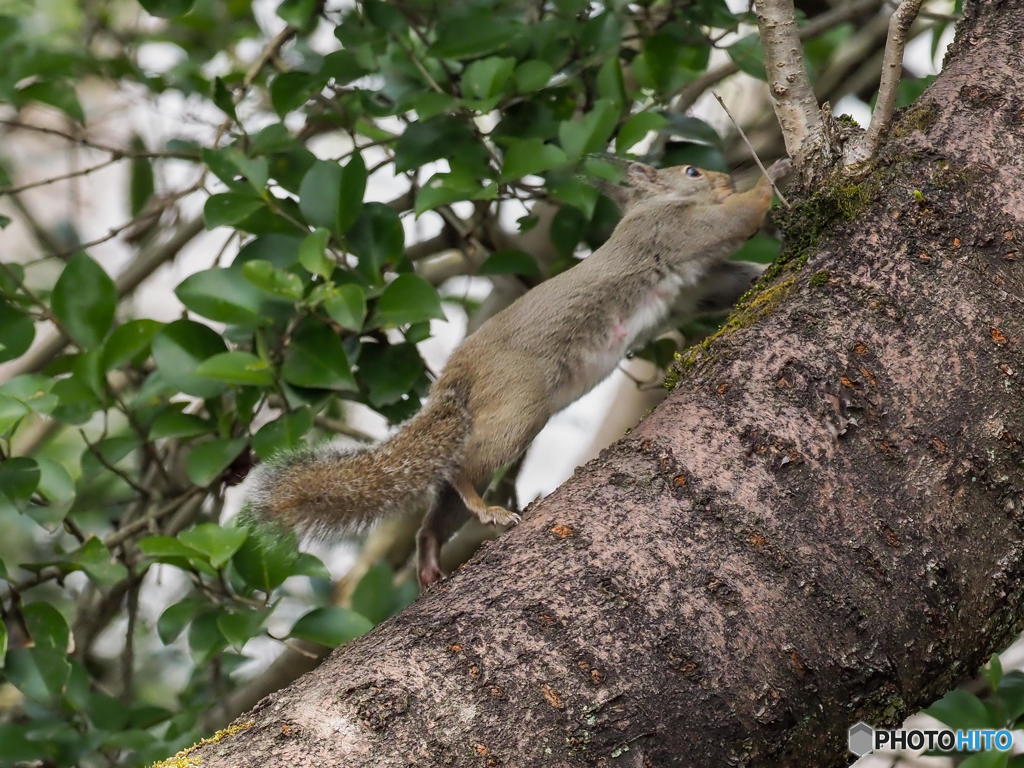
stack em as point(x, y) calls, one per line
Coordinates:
point(438, 525)
point(488, 514)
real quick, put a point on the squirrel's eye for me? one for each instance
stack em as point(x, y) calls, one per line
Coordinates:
point(692, 172)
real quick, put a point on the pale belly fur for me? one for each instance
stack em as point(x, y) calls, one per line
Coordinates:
point(622, 334)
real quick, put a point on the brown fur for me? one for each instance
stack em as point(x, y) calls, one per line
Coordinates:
point(528, 361)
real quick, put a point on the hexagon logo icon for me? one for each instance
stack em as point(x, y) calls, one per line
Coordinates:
point(860, 739)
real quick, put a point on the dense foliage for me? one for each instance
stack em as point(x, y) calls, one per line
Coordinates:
point(120, 434)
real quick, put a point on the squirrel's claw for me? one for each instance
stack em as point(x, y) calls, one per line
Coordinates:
point(498, 516)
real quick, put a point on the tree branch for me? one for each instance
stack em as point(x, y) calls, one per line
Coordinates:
point(689, 93)
point(892, 68)
point(803, 127)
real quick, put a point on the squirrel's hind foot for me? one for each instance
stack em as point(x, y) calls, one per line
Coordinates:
point(495, 515)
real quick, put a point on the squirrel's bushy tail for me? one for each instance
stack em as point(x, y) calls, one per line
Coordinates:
point(330, 489)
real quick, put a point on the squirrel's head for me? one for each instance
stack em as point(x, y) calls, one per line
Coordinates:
point(681, 182)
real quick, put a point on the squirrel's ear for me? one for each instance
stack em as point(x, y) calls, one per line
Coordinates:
point(639, 173)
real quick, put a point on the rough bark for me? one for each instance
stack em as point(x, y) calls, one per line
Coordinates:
point(823, 522)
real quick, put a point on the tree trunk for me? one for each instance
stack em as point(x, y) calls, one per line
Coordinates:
point(822, 523)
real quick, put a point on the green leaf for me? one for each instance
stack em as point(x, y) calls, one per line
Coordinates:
point(179, 348)
point(46, 626)
point(474, 33)
point(238, 627)
point(636, 128)
point(610, 84)
point(591, 132)
point(374, 596)
point(485, 78)
point(207, 461)
point(84, 300)
point(317, 359)
point(205, 639)
point(16, 332)
point(57, 93)
point(330, 196)
point(229, 208)
point(33, 390)
point(270, 279)
point(313, 254)
point(55, 484)
point(127, 342)
point(19, 477)
point(427, 140)
point(217, 543)
point(331, 626)
point(173, 423)
point(1010, 690)
point(39, 673)
point(389, 371)
point(341, 66)
point(298, 13)
point(223, 99)
point(346, 304)
point(408, 299)
point(692, 129)
point(140, 180)
point(12, 411)
point(531, 156)
point(377, 239)
point(290, 90)
point(15, 745)
point(993, 671)
point(748, 55)
point(961, 710)
point(383, 15)
point(444, 188)
point(266, 558)
point(237, 368)
point(166, 547)
point(533, 75)
point(3, 648)
point(166, 9)
point(177, 616)
point(509, 261)
point(94, 558)
point(222, 294)
point(283, 433)
point(311, 566)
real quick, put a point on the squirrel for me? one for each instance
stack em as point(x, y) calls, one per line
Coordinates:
point(527, 362)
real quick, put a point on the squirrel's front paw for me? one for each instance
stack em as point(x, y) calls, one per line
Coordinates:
point(498, 516)
point(780, 169)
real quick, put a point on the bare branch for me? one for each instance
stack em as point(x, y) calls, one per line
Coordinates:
point(61, 176)
point(803, 126)
point(90, 144)
point(892, 67)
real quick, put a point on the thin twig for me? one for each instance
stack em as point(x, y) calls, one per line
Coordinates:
point(892, 68)
point(89, 143)
point(112, 467)
point(753, 152)
point(61, 176)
